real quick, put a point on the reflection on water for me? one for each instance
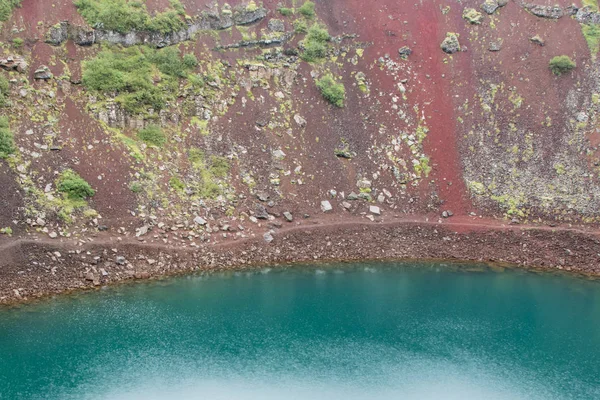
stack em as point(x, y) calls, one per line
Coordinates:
point(363, 331)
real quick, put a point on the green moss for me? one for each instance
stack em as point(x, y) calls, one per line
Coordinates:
point(152, 135)
point(7, 145)
point(74, 186)
point(129, 15)
point(333, 92)
point(561, 64)
point(18, 43)
point(6, 231)
point(307, 9)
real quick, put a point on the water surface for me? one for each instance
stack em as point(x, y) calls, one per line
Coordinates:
point(363, 331)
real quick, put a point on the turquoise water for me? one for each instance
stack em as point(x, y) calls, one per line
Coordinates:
point(364, 331)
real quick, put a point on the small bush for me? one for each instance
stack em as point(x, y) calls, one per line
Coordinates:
point(315, 44)
point(6, 8)
point(561, 64)
point(333, 92)
point(176, 184)
point(128, 74)
point(286, 12)
point(4, 90)
point(135, 187)
point(300, 26)
point(152, 135)
point(219, 166)
point(190, 61)
point(308, 9)
point(74, 186)
point(7, 144)
point(125, 16)
point(18, 43)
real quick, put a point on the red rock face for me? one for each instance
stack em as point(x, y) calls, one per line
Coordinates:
point(493, 133)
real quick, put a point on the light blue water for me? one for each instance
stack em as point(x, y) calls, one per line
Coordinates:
point(364, 331)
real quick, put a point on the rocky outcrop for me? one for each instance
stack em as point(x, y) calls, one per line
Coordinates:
point(549, 12)
point(586, 15)
point(11, 63)
point(42, 73)
point(208, 20)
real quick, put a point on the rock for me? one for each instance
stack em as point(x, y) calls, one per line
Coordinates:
point(447, 214)
point(288, 216)
point(538, 40)
point(15, 63)
point(248, 13)
point(268, 237)
point(262, 196)
point(346, 205)
point(300, 121)
point(333, 193)
point(120, 260)
point(490, 6)
point(276, 25)
point(495, 46)
point(90, 277)
point(344, 152)
point(450, 45)
point(363, 184)
point(549, 12)
point(365, 196)
point(278, 154)
point(404, 52)
point(472, 16)
point(380, 198)
point(375, 210)
point(352, 196)
point(142, 231)
point(326, 206)
point(43, 73)
point(199, 221)
point(260, 212)
point(53, 235)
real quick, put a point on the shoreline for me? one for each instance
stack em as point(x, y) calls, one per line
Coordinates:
point(32, 269)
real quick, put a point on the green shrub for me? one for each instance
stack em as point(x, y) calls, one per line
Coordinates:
point(128, 15)
point(152, 135)
point(7, 144)
point(176, 184)
point(6, 231)
point(4, 91)
point(18, 43)
point(333, 92)
point(190, 61)
point(74, 186)
point(219, 166)
point(307, 9)
point(135, 187)
point(300, 26)
point(6, 8)
point(561, 64)
point(315, 43)
point(286, 12)
point(128, 74)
